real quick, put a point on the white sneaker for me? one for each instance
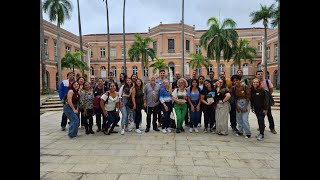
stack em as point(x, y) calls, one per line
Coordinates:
point(205, 130)
point(196, 130)
point(122, 132)
point(138, 131)
point(190, 130)
point(164, 131)
point(168, 130)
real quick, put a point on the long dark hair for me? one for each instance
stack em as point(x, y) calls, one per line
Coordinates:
point(126, 87)
point(124, 78)
point(65, 98)
point(141, 86)
point(205, 87)
point(196, 80)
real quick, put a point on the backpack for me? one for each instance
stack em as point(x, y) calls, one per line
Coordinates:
point(270, 97)
point(96, 99)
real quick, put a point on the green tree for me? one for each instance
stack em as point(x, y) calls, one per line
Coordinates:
point(58, 10)
point(43, 57)
point(198, 60)
point(243, 51)
point(264, 14)
point(220, 37)
point(276, 23)
point(73, 60)
point(139, 50)
point(159, 64)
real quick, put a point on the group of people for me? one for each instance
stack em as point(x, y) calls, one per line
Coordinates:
point(218, 99)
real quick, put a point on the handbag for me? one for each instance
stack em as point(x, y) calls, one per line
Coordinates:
point(269, 95)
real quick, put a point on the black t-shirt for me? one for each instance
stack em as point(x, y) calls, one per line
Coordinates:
point(206, 94)
point(220, 95)
point(99, 92)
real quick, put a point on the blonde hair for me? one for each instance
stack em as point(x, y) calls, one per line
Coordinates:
point(168, 88)
point(182, 79)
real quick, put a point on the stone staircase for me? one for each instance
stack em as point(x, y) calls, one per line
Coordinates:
point(276, 98)
point(51, 104)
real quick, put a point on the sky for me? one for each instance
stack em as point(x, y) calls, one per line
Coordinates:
point(141, 14)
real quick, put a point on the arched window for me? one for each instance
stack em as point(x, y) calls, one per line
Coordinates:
point(232, 69)
point(146, 71)
point(210, 68)
point(114, 71)
point(259, 66)
point(103, 72)
point(57, 81)
point(221, 67)
point(245, 69)
point(134, 70)
point(275, 78)
point(91, 71)
point(48, 80)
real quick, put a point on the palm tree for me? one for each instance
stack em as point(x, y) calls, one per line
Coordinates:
point(159, 64)
point(219, 37)
point(140, 50)
point(198, 60)
point(73, 60)
point(276, 23)
point(108, 35)
point(43, 57)
point(79, 24)
point(264, 14)
point(58, 10)
point(243, 51)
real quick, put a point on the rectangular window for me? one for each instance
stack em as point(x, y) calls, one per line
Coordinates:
point(102, 52)
point(260, 47)
point(68, 49)
point(155, 46)
point(276, 52)
point(46, 47)
point(113, 52)
point(198, 49)
point(187, 45)
point(91, 53)
point(55, 48)
point(170, 45)
point(122, 52)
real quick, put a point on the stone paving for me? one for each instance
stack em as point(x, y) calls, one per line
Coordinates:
point(157, 156)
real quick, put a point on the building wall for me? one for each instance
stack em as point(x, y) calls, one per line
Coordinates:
point(160, 33)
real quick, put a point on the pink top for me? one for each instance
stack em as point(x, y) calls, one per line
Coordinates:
point(264, 85)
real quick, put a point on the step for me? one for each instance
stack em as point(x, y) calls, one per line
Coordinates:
point(51, 105)
point(53, 102)
point(275, 107)
point(51, 109)
point(50, 100)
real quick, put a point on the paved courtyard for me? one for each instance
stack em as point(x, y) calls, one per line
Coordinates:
point(157, 156)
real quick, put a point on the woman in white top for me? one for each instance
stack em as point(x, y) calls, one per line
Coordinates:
point(179, 96)
point(110, 106)
point(124, 95)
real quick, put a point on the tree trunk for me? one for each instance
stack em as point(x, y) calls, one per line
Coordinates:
point(42, 57)
point(278, 78)
point(59, 53)
point(265, 53)
point(108, 37)
point(124, 37)
point(80, 33)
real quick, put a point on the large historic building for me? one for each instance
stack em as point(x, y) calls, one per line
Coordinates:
point(166, 43)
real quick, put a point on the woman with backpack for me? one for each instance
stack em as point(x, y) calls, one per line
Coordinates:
point(179, 96)
point(98, 91)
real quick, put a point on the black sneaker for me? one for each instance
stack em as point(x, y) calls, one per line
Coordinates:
point(182, 130)
point(273, 131)
point(235, 129)
point(156, 129)
point(87, 132)
point(178, 130)
point(63, 128)
point(147, 130)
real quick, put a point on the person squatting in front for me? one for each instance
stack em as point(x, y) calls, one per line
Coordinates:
point(110, 106)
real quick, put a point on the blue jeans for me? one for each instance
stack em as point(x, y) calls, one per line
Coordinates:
point(74, 121)
point(243, 117)
point(112, 118)
point(195, 115)
point(124, 111)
